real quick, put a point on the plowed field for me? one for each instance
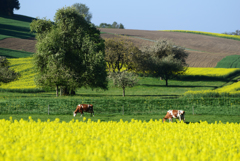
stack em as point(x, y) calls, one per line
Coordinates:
point(204, 51)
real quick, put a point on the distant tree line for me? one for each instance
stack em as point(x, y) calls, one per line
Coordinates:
point(113, 25)
point(7, 6)
point(237, 32)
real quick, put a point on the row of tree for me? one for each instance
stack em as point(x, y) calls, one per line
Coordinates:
point(237, 32)
point(113, 25)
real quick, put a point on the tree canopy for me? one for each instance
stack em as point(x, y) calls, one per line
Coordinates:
point(113, 25)
point(83, 10)
point(163, 59)
point(69, 52)
point(121, 54)
point(7, 6)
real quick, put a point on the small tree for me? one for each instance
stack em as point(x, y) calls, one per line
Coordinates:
point(167, 67)
point(163, 59)
point(123, 80)
point(7, 75)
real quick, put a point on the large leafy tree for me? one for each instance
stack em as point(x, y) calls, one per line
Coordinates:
point(7, 6)
point(6, 74)
point(70, 52)
point(83, 10)
point(121, 54)
point(163, 59)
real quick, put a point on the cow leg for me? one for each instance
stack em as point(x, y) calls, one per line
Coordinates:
point(180, 118)
point(74, 114)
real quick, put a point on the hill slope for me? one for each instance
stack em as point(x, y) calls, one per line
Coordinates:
point(204, 51)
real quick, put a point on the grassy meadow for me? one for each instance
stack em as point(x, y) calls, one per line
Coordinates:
point(16, 26)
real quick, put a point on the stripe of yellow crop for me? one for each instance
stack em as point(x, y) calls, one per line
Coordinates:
point(135, 140)
point(237, 37)
point(25, 67)
point(214, 72)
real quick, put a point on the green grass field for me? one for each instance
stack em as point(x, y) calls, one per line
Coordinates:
point(15, 26)
point(232, 61)
point(8, 53)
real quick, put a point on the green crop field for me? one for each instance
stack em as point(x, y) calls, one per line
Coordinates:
point(14, 53)
point(15, 26)
point(232, 61)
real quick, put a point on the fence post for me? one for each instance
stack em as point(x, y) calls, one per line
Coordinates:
point(193, 110)
point(123, 109)
point(48, 109)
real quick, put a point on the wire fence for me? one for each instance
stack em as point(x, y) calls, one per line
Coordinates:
point(126, 107)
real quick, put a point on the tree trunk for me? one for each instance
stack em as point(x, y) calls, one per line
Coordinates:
point(65, 91)
point(73, 92)
point(123, 92)
point(166, 82)
point(57, 91)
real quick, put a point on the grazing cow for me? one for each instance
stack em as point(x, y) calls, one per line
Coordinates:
point(84, 107)
point(175, 114)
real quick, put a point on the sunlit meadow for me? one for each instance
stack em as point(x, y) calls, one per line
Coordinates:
point(25, 67)
point(134, 140)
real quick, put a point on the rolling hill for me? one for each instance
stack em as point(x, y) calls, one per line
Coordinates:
point(204, 51)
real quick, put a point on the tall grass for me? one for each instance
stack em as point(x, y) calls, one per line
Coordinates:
point(116, 105)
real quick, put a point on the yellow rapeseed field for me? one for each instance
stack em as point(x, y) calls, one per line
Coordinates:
point(237, 37)
point(213, 72)
point(135, 140)
point(25, 67)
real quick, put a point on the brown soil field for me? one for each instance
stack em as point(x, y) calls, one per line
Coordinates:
point(206, 50)
point(19, 44)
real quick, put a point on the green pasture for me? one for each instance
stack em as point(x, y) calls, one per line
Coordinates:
point(14, 53)
point(17, 26)
point(232, 61)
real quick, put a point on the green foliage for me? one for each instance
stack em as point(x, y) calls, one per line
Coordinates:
point(8, 53)
point(113, 25)
point(6, 75)
point(123, 79)
point(121, 54)
point(83, 10)
point(232, 61)
point(7, 6)
point(164, 60)
point(70, 52)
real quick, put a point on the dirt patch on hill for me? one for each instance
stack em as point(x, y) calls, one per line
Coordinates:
point(19, 44)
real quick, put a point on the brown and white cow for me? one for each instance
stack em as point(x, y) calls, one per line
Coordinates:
point(84, 107)
point(174, 114)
